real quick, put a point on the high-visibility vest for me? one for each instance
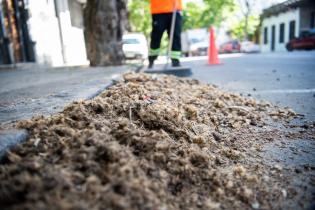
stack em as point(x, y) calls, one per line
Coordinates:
point(165, 6)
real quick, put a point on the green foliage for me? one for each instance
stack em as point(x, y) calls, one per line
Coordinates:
point(191, 16)
point(237, 31)
point(211, 13)
point(194, 15)
point(215, 10)
point(139, 16)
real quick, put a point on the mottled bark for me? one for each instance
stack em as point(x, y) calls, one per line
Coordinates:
point(105, 22)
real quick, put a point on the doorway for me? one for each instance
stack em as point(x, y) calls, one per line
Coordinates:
point(15, 43)
point(273, 37)
point(4, 42)
point(292, 30)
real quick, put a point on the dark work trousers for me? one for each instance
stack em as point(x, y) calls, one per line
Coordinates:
point(160, 24)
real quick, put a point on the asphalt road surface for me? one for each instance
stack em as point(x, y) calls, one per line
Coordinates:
point(285, 79)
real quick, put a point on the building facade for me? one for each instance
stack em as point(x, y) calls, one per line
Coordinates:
point(283, 22)
point(47, 32)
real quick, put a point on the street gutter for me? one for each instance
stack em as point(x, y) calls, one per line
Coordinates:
point(9, 137)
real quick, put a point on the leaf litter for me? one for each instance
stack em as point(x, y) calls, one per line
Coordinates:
point(149, 142)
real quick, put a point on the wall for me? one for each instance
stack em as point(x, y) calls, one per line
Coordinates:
point(44, 31)
point(306, 15)
point(276, 20)
point(58, 42)
point(71, 15)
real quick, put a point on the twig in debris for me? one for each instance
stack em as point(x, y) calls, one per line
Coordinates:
point(246, 109)
point(37, 142)
point(130, 113)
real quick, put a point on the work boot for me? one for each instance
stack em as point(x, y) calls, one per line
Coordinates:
point(175, 63)
point(151, 61)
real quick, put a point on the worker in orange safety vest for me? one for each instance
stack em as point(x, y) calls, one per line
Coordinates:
point(162, 11)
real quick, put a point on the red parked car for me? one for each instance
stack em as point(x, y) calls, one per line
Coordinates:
point(230, 47)
point(306, 41)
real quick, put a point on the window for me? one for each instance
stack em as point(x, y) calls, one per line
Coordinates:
point(313, 20)
point(281, 34)
point(292, 30)
point(265, 35)
point(273, 37)
point(76, 13)
point(308, 33)
point(131, 41)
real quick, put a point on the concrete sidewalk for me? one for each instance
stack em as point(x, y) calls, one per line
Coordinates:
point(25, 93)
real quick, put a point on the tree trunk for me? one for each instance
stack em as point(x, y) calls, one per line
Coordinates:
point(247, 14)
point(105, 22)
point(246, 28)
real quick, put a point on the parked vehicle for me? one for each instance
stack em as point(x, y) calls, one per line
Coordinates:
point(135, 46)
point(306, 41)
point(194, 42)
point(249, 47)
point(230, 47)
point(198, 47)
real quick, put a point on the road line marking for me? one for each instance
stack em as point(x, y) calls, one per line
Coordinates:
point(288, 91)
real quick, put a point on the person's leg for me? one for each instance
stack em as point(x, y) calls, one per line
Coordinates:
point(177, 46)
point(158, 28)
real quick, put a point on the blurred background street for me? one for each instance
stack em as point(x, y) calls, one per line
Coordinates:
point(286, 79)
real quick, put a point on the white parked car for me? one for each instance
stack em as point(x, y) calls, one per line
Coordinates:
point(198, 47)
point(249, 47)
point(135, 46)
point(195, 42)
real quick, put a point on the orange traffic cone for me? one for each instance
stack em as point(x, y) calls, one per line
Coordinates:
point(212, 50)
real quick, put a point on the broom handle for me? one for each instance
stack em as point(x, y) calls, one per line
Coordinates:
point(171, 34)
